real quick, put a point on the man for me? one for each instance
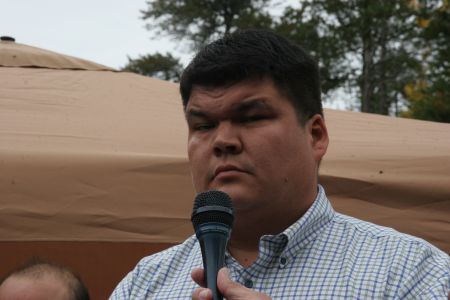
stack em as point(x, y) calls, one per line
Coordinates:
point(39, 280)
point(257, 132)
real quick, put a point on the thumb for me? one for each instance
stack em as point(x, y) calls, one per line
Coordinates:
point(225, 285)
point(234, 291)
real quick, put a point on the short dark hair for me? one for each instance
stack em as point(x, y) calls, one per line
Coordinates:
point(37, 268)
point(257, 53)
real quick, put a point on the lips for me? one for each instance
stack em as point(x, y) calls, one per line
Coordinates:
point(226, 168)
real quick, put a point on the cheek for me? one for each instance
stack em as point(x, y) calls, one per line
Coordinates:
point(196, 148)
point(283, 152)
point(198, 161)
point(280, 145)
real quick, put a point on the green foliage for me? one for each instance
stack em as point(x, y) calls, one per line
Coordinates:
point(383, 53)
point(200, 21)
point(365, 45)
point(429, 96)
point(196, 22)
point(157, 65)
point(429, 103)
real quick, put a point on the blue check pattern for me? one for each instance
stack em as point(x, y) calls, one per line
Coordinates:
point(324, 255)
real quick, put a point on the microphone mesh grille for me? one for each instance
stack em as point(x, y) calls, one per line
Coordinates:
point(212, 199)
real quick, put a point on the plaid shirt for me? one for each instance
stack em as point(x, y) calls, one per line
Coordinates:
point(324, 255)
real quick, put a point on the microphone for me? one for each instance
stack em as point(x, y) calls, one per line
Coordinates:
point(212, 218)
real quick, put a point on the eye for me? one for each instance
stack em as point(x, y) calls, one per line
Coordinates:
point(203, 126)
point(253, 118)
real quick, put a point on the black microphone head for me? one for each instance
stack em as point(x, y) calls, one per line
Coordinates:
point(212, 207)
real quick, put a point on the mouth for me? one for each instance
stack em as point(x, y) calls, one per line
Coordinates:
point(227, 170)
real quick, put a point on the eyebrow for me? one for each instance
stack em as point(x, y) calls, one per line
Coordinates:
point(240, 107)
point(193, 113)
point(245, 106)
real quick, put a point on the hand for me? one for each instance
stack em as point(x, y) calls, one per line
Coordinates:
point(229, 289)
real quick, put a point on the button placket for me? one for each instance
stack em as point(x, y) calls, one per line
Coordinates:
point(248, 283)
point(283, 262)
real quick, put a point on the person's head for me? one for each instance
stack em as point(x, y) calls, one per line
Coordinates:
point(39, 280)
point(256, 130)
point(257, 54)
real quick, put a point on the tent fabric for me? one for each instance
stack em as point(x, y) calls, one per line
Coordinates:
point(94, 173)
point(390, 171)
point(101, 156)
point(14, 54)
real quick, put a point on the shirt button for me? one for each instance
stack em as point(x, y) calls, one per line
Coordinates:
point(283, 262)
point(248, 283)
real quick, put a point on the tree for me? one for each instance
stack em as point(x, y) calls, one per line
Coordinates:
point(371, 48)
point(367, 45)
point(200, 21)
point(196, 22)
point(429, 94)
point(165, 67)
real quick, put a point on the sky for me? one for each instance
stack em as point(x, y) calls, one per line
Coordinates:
point(103, 31)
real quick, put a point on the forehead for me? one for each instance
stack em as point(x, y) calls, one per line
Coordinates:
point(254, 93)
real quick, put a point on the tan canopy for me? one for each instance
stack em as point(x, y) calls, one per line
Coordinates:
point(13, 54)
point(391, 171)
point(93, 160)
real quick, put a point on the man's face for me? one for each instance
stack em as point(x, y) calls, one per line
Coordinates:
point(246, 140)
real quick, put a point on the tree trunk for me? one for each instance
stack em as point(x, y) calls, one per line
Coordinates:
point(382, 99)
point(366, 82)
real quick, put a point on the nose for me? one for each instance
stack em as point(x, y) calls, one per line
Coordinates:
point(227, 140)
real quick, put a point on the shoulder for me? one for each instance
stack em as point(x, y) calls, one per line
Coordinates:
point(370, 233)
point(373, 237)
point(173, 257)
point(155, 273)
point(412, 264)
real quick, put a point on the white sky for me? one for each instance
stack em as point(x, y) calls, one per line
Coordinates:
point(102, 31)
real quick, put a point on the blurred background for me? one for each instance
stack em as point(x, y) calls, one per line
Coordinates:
point(93, 166)
point(376, 56)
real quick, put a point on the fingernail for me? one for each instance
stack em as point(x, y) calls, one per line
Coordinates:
point(203, 295)
point(227, 272)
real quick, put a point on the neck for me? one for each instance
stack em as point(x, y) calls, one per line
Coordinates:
point(244, 241)
point(244, 247)
point(249, 227)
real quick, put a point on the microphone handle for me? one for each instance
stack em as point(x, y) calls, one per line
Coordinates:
point(213, 246)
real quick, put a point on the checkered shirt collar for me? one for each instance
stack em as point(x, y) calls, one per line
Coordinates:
point(305, 229)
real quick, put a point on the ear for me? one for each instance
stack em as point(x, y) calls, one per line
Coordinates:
point(319, 136)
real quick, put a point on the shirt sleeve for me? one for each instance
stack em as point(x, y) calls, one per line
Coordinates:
point(428, 276)
point(123, 289)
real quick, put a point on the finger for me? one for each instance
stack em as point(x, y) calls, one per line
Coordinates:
point(202, 294)
point(197, 275)
point(224, 283)
point(234, 291)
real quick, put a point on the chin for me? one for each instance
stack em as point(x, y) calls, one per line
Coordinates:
point(241, 197)
point(240, 193)
point(231, 189)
